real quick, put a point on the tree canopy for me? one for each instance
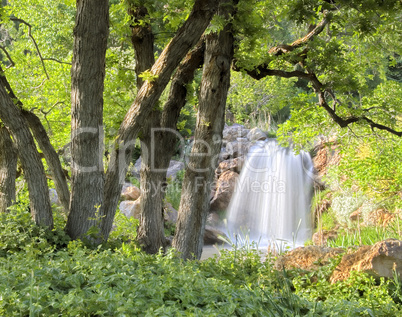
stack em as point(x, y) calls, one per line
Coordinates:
point(300, 69)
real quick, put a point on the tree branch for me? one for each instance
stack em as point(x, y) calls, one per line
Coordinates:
point(56, 60)
point(285, 48)
point(8, 56)
point(263, 70)
point(34, 41)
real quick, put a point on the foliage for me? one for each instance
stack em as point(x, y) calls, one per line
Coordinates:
point(264, 103)
point(71, 280)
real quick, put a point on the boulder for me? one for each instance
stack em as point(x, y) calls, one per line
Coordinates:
point(256, 134)
point(135, 170)
point(131, 208)
point(211, 235)
point(174, 168)
point(380, 217)
point(169, 213)
point(225, 187)
point(213, 219)
point(306, 258)
point(379, 260)
point(237, 148)
point(321, 208)
point(130, 193)
point(231, 133)
point(54, 198)
point(321, 237)
point(234, 165)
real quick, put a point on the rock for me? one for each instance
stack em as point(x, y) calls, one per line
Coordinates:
point(326, 155)
point(256, 134)
point(54, 198)
point(357, 214)
point(237, 148)
point(169, 213)
point(321, 237)
point(174, 168)
point(234, 165)
point(231, 133)
point(380, 217)
point(306, 258)
point(130, 193)
point(131, 208)
point(213, 219)
point(224, 189)
point(321, 208)
point(211, 235)
point(379, 260)
point(135, 170)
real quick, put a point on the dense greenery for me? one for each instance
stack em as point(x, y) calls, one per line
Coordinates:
point(357, 58)
point(45, 274)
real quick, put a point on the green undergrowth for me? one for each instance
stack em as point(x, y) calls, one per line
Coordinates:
point(43, 273)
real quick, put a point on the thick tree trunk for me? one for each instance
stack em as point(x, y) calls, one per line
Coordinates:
point(34, 172)
point(51, 157)
point(161, 146)
point(87, 84)
point(8, 169)
point(186, 37)
point(151, 230)
point(194, 204)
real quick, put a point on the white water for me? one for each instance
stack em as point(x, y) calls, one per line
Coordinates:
point(271, 202)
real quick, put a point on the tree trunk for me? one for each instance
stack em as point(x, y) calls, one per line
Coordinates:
point(87, 84)
point(51, 157)
point(161, 146)
point(8, 169)
point(194, 204)
point(186, 37)
point(151, 230)
point(34, 172)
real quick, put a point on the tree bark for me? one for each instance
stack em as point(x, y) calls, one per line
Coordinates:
point(87, 83)
point(186, 37)
point(8, 169)
point(31, 163)
point(194, 204)
point(151, 229)
point(159, 147)
point(51, 157)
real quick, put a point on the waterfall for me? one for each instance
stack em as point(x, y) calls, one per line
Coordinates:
point(272, 198)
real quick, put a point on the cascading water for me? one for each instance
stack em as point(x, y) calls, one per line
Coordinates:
point(271, 202)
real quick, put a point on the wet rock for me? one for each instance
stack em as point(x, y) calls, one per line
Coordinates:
point(224, 190)
point(379, 260)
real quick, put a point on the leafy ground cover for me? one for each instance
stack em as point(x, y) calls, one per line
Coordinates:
point(45, 274)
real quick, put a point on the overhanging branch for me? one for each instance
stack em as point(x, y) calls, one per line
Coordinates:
point(286, 48)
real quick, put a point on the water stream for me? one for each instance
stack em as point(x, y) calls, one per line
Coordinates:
point(271, 202)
